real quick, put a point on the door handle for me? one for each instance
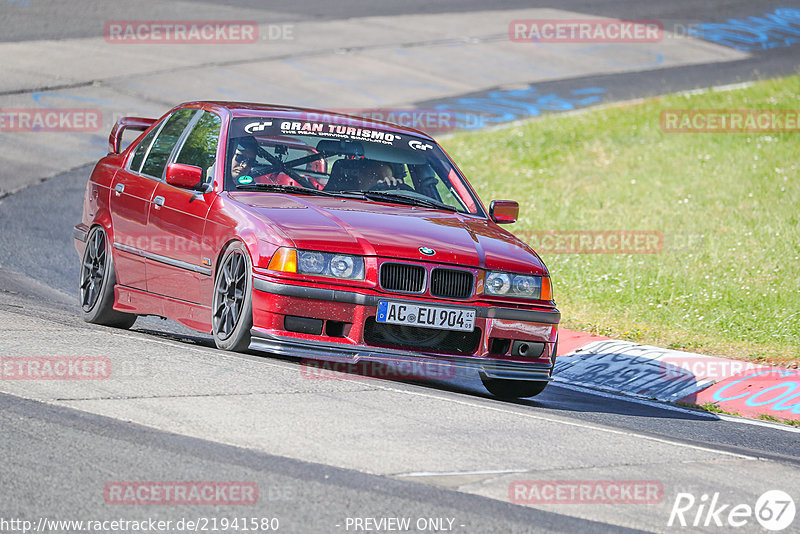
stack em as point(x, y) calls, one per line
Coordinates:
point(119, 188)
point(158, 201)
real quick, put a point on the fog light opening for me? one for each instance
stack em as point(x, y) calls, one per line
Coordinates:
point(335, 328)
point(303, 325)
point(498, 345)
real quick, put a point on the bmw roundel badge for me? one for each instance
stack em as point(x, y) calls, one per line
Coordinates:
point(427, 251)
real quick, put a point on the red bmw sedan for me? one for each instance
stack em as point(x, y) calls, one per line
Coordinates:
point(317, 235)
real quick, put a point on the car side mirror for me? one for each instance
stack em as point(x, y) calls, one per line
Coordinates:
point(504, 211)
point(185, 176)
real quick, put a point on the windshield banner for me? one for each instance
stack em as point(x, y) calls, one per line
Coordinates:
point(351, 129)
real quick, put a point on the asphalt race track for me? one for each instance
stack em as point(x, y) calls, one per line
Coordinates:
point(330, 455)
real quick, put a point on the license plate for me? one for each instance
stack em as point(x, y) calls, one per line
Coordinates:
point(426, 316)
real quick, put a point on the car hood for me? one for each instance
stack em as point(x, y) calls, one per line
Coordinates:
point(353, 226)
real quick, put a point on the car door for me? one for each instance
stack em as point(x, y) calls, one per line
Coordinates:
point(180, 266)
point(131, 196)
point(129, 203)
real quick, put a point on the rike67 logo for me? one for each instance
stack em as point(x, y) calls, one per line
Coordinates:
point(774, 510)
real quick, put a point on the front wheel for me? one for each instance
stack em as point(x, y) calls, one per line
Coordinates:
point(512, 389)
point(97, 283)
point(232, 305)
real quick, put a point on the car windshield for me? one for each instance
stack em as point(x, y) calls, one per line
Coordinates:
point(343, 157)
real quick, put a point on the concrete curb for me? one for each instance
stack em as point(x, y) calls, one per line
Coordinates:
point(647, 372)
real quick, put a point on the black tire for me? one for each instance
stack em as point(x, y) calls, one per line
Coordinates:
point(512, 389)
point(232, 303)
point(97, 281)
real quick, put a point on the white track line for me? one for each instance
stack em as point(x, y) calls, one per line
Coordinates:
point(459, 473)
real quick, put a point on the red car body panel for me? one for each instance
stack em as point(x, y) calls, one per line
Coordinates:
point(167, 242)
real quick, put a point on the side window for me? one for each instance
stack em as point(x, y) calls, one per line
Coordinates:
point(165, 142)
point(141, 150)
point(200, 147)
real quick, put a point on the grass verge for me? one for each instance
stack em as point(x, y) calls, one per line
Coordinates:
point(727, 281)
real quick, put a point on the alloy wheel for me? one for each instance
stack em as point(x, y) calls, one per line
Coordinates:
point(229, 294)
point(93, 270)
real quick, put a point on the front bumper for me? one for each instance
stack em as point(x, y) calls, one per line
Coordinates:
point(422, 364)
point(80, 232)
point(273, 301)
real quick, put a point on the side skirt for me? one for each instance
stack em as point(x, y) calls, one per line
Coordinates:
point(189, 314)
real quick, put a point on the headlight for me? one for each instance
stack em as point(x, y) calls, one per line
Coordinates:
point(290, 260)
point(498, 283)
point(343, 266)
point(335, 265)
point(518, 286)
point(311, 263)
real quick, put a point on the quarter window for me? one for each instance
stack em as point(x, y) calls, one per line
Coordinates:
point(141, 150)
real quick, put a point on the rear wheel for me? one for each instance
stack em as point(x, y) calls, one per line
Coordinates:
point(97, 283)
point(512, 389)
point(232, 308)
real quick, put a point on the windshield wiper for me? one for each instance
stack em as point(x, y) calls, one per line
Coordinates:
point(280, 188)
point(401, 198)
point(396, 197)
